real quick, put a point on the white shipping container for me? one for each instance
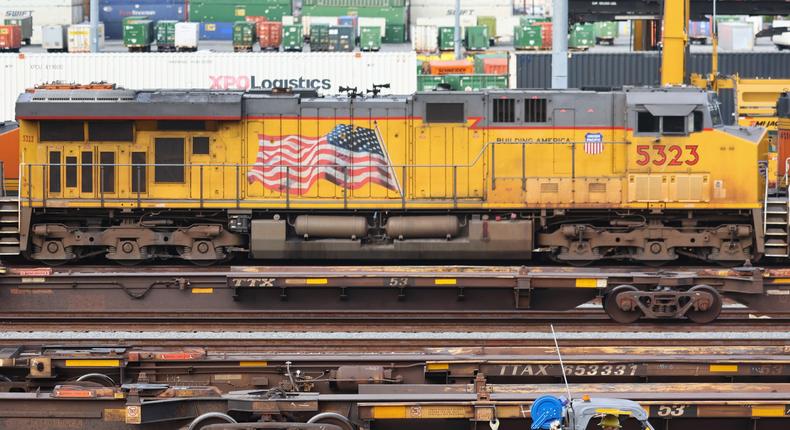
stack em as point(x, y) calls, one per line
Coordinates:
point(46, 13)
point(372, 22)
point(325, 71)
point(736, 36)
point(54, 37)
point(187, 36)
point(79, 37)
point(425, 38)
point(448, 21)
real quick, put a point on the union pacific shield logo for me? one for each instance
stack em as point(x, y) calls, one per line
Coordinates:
point(593, 143)
point(347, 156)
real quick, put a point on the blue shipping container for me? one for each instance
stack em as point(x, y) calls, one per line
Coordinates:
point(112, 15)
point(699, 29)
point(216, 31)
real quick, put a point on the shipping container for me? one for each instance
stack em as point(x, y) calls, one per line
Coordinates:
point(476, 38)
point(446, 38)
point(166, 35)
point(113, 12)
point(451, 67)
point(605, 32)
point(736, 36)
point(699, 32)
point(25, 24)
point(210, 70)
point(425, 38)
point(341, 38)
point(546, 33)
point(293, 39)
point(490, 22)
point(396, 17)
point(493, 63)
point(351, 21)
point(79, 37)
point(370, 39)
point(45, 12)
point(461, 82)
point(270, 35)
point(243, 36)
point(447, 21)
point(319, 37)
point(234, 10)
point(10, 38)
point(381, 23)
point(355, 3)
point(187, 36)
point(582, 37)
point(216, 30)
point(531, 20)
point(54, 38)
point(255, 19)
point(138, 35)
point(528, 37)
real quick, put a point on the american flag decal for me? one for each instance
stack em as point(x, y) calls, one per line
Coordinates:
point(348, 156)
point(593, 143)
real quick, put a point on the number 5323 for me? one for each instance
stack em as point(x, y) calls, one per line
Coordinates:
point(663, 155)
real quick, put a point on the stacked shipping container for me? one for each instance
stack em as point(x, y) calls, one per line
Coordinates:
point(113, 12)
point(45, 12)
point(394, 11)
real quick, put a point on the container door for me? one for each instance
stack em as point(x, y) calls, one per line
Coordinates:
point(170, 171)
point(564, 122)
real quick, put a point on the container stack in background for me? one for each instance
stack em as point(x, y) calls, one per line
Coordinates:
point(44, 12)
point(217, 17)
point(393, 12)
point(475, 72)
point(113, 13)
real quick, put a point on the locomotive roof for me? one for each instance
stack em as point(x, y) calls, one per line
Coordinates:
point(232, 105)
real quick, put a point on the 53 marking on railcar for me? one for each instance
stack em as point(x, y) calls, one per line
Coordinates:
point(672, 155)
point(674, 411)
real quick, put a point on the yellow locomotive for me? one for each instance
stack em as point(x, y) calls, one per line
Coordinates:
point(639, 174)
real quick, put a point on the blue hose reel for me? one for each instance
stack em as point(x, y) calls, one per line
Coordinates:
point(546, 410)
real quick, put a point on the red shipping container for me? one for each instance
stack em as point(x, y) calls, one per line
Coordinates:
point(255, 19)
point(10, 38)
point(545, 33)
point(453, 67)
point(495, 66)
point(270, 34)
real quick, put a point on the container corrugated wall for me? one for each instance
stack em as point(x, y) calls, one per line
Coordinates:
point(326, 71)
point(593, 70)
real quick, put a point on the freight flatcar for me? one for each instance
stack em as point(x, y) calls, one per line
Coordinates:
point(644, 175)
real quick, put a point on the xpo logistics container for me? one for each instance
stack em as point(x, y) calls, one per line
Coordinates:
point(44, 12)
point(25, 24)
point(325, 72)
point(54, 38)
point(187, 36)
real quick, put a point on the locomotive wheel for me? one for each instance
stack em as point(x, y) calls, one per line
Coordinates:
point(613, 310)
point(713, 309)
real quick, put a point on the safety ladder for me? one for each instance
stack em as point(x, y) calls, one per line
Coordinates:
point(777, 226)
point(9, 226)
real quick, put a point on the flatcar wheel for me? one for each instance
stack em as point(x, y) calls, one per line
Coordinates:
point(614, 311)
point(711, 312)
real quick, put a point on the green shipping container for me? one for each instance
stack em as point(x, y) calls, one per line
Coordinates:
point(138, 34)
point(476, 38)
point(342, 38)
point(529, 20)
point(480, 58)
point(462, 82)
point(166, 35)
point(395, 33)
point(293, 40)
point(527, 37)
point(319, 37)
point(605, 31)
point(243, 35)
point(446, 38)
point(26, 25)
point(582, 36)
point(355, 3)
point(232, 11)
point(490, 22)
point(370, 38)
